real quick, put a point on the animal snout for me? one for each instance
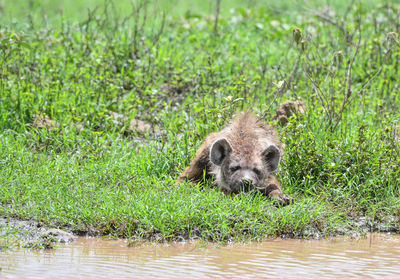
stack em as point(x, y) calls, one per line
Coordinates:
point(247, 184)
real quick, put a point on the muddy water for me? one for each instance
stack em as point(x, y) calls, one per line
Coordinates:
point(377, 256)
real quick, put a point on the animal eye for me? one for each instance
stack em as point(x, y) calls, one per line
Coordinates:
point(233, 169)
point(257, 171)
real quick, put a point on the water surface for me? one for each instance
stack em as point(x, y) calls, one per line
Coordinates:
point(376, 256)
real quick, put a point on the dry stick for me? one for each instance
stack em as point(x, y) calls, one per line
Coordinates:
point(348, 92)
point(368, 81)
point(331, 21)
point(393, 35)
point(145, 3)
point(269, 107)
point(292, 73)
point(330, 73)
point(161, 30)
point(320, 94)
point(139, 27)
point(350, 62)
point(129, 16)
point(135, 30)
point(91, 14)
point(335, 23)
point(371, 78)
point(285, 84)
point(348, 9)
point(217, 5)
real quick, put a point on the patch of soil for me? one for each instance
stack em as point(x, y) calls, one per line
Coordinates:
point(42, 121)
point(135, 125)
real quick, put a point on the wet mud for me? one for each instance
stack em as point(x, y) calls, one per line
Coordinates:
point(32, 234)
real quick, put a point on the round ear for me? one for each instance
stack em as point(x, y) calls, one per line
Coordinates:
point(271, 157)
point(219, 151)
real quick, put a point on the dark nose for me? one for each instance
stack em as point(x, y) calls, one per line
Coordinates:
point(247, 184)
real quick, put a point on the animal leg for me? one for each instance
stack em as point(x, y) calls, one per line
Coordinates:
point(274, 192)
point(194, 172)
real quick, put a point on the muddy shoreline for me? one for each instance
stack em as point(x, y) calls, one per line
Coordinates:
point(34, 234)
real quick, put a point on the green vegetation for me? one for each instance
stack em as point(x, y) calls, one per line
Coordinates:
point(67, 161)
point(7, 238)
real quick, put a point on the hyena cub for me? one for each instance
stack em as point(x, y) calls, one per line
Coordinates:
point(241, 157)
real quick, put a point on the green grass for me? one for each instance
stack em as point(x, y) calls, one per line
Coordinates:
point(341, 157)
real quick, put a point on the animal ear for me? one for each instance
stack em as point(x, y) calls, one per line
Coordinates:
point(271, 157)
point(219, 150)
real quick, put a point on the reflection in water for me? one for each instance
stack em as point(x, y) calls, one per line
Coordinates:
point(376, 256)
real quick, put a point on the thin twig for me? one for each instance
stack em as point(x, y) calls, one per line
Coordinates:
point(217, 6)
point(348, 92)
point(320, 94)
point(270, 104)
point(367, 82)
point(336, 23)
point(286, 84)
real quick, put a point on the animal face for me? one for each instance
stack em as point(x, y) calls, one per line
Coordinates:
point(242, 172)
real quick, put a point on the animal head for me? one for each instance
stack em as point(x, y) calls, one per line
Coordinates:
point(240, 171)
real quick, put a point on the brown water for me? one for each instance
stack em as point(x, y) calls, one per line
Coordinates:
point(377, 256)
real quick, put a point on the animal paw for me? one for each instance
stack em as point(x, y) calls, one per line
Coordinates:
point(283, 199)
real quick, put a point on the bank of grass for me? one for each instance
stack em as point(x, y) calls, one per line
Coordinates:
point(90, 174)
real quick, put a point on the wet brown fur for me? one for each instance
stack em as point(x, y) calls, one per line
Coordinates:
point(248, 138)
